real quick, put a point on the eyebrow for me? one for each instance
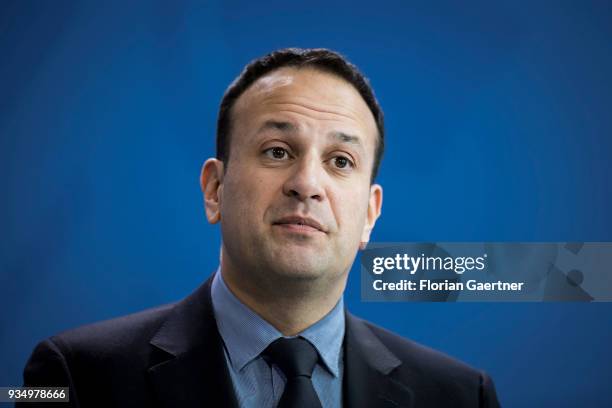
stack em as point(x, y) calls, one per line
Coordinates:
point(288, 127)
point(345, 138)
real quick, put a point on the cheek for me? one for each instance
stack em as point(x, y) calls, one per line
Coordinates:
point(351, 212)
point(247, 196)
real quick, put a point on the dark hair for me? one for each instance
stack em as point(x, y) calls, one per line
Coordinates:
point(319, 58)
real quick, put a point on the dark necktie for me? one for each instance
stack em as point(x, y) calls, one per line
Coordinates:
point(297, 358)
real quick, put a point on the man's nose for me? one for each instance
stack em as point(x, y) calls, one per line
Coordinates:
point(306, 180)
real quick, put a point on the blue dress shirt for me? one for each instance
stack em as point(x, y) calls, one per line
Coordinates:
point(245, 335)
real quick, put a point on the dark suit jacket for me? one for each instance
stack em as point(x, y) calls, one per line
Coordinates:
point(172, 356)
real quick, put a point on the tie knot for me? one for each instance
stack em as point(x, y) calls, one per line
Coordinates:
point(295, 357)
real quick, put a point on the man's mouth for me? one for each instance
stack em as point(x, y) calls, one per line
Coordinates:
point(300, 224)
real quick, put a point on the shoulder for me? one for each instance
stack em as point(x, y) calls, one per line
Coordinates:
point(420, 357)
point(108, 355)
point(436, 378)
point(120, 332)
point(118, 341)
point(127, 341)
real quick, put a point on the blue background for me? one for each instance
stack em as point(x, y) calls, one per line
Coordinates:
point(498, 124)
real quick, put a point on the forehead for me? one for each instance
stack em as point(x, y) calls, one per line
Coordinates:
point(306, 94)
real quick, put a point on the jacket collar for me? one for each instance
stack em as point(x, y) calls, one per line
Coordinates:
point(190, 368)
point(369, 370)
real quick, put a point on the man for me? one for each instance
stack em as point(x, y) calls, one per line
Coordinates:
point(299, 141)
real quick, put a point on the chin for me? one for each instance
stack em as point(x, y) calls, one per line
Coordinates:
point(298, 273)
point(299, 269)
point(299, 262)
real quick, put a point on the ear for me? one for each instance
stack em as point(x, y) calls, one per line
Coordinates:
point(211, 183)
point(374, 208)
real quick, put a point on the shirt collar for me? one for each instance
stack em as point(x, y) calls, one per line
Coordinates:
point(246, 334)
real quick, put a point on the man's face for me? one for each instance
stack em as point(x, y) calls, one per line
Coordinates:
point(295, 199)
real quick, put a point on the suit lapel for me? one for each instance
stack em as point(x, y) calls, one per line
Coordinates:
point(190, 368)
point(368, 370)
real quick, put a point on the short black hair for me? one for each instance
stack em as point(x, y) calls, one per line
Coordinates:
point(318, 58)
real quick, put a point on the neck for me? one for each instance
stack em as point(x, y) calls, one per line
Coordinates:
point(290, 305)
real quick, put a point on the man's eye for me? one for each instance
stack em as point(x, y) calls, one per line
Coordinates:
point(277, 153)
point(342, 162)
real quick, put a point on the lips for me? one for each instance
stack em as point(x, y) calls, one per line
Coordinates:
point(300, 221)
